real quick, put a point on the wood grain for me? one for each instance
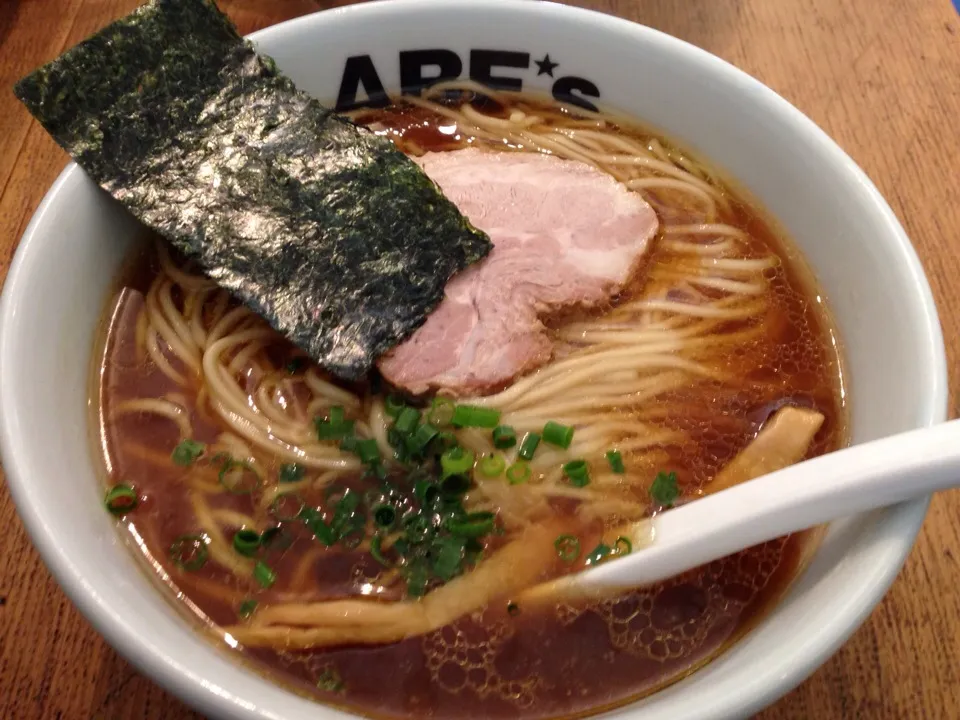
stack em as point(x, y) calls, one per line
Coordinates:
point(883, 78)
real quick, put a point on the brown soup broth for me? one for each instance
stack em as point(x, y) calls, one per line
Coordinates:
point(569, 661)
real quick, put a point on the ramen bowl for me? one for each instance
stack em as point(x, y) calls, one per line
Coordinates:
point(69, 259)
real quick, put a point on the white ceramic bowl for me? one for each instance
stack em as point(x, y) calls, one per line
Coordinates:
point(71, 252)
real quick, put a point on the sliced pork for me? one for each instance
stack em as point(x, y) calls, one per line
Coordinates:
point(565, 235)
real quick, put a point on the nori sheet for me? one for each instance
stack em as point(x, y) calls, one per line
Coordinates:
point(325, 229)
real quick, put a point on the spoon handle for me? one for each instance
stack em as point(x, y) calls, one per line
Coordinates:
point(859, 478)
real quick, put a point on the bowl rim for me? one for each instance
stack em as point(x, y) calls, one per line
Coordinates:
point(896, 532)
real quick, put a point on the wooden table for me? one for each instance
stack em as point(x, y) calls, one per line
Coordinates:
point(883, 78)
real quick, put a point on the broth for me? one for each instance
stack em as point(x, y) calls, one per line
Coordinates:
point(562, 659)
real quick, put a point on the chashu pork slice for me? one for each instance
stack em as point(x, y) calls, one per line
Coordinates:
point(565, 235)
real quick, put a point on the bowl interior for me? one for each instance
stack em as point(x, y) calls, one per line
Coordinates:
point(70, 255)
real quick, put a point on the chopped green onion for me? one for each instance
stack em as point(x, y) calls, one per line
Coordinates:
point(246, 481)
point(622, 546)
point(557, 434)
point(393, 405)
point(474, 525)
point(368, 451)
point(456, 461)
point(263, 574)
point(448, 557)
point(407, 420)
point(330, 681)
point(246, 542)
point(189, 552)
point(422, 437)
point(664, 489)
point(295, 365)
point(335, 427)
point(322, 531)
point(567, 547)
point(121, 499)
point(504, 437)
point(385, 515)
point(418, 528)
point(441, 411)
point(577, 473)
point(291, 472)
point(616, 461)
point(343, 513)
point(377, 552)
point(529, 446)
point(473, 416)
point(454, 485)
point(426, 492)
point(187, 452)
point(247, 608)
point(600, 553)
point(349, 444)
point(492, 465)
point(286, 506)
point(518, 473)
point(416, 580)
point(275, 538)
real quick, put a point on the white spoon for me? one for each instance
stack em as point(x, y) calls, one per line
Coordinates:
point(853, 480)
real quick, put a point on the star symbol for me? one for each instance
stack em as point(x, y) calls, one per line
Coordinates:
point(546, 66)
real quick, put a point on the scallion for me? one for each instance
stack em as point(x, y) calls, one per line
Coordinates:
point(529, 446)
point(275, 538)
point(426, 491)
point(421, 438)
point(456, 461)
point(417, 528)
point(335, 427)
point(291, 472)
point(447, 557)
point(121, 499)
point(187, 452)
point(286, 506)
point(189, 552)
point(416, 576)
point(622, 546)
point(518, 473)
point(577, 472)
point(393, 405)
point(557, 434)
point(492, 465)
point(441, 412)
point(368, 451)
point(616, 461)
point(473, 416)
point(600, 553)
point(246, 541)
point(384, 515)
point(504, 437)
point(474, 525)
point(567, 547)
point(407, 420)
point(263, 574)
point(664, 489)
point(454, 485)
point(330, 681)
point(247, 608)
point(239, 477)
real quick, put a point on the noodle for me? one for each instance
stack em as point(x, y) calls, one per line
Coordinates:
point(633, 379)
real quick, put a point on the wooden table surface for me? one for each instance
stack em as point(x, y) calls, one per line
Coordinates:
point(881, 77)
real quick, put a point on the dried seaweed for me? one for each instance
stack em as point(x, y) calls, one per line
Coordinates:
point(329, 232)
